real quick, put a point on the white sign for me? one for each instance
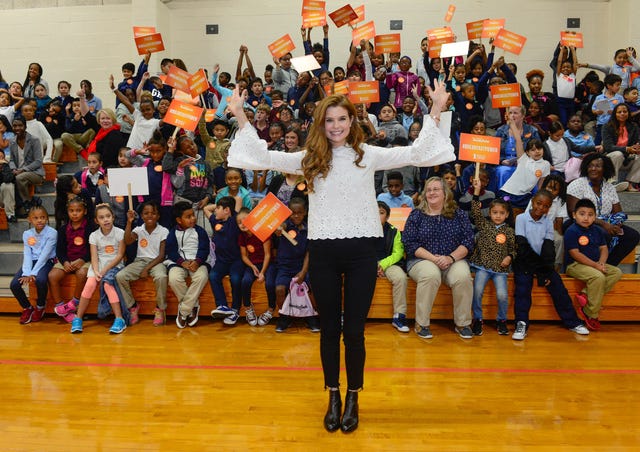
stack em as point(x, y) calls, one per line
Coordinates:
point(444, 126)
point(305, 63)
point(454, 49)
point(120, 178)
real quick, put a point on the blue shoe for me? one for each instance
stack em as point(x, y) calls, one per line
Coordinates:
point(119, 325)
point(400, 323)
point(232, 319)
point(222, 311)
point(76, 325)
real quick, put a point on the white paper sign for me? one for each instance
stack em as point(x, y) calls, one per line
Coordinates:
point(444, 126)
point(454, 49)
point(305, 63)
point(602, 105)
point(119, 178)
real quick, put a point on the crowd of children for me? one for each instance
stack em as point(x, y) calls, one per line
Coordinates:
point(190, 226)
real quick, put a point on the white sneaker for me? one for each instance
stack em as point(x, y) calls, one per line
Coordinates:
point(250, 315)
point(621, 186)
point(580, 329)
point(521, 332)
point(265, 318)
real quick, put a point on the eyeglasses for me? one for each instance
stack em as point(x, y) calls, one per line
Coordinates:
point(433, 190)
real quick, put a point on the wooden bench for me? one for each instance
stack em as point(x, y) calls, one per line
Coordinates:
point(621, 304)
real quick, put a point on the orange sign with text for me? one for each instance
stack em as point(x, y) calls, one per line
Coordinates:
point(474, 29)
point(359, 10)
point(387, 43)
point(210, 114)
point(503, 96)
point(442, 32)
point(449, 15)
point(149, 43)
point(178, 78)
point(183, 115)
point(571, 39)
point(479, 148)
point(435, 45)
point(198, 83)
point(343, 16)
point(491, 27)
point(341, 87)
point(364, 92)
point(266, 217)
point(313, 13)
point(280, 47)
point(398, 217)
point(143, 31)
point(509, 41)
point(366, 32)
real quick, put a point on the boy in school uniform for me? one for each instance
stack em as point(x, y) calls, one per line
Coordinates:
point(151, 238)
point(128, 79)
point(187, 250)
point(586, 254)
point(395, 196)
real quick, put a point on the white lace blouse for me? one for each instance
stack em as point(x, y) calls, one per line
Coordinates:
point(343, 205)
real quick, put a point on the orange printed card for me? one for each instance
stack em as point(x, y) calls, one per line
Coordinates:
point(435, 45)
point(442, 32)
point(183, 115)
point(491, 27)
point(364, 92)
point(280, 47)
point(198, 83)
point(509, 41)
point(359, 10)
point(341, 87)
point(479, 148)
point(398, 217)
point(143, 31)
point(387, 43)
point(311, 21)
point(313, 7)
point(366, 32)
point(503, 96)
point(343, 16)
point(449, 15)
point(474, 29)
point(266, 217)
point(210, 114)
point(149, 43)
point(571, 39)
point(178, 78)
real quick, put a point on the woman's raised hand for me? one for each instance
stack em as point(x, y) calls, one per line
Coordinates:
point(439, 97)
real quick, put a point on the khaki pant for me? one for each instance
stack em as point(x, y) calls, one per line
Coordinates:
point(77, 141)
point(188, 295)
point(633, 167)
point(8, 198)
point(24, 181)
point(132, 273)
point(598, 284)
point(428, 278)
point(398, 279)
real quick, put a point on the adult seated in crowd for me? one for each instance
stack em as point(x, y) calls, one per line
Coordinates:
point(621, 143)
point(26, 163)
point(437, 238)
point(546, 101)
point(108, 139)
point(592, 184)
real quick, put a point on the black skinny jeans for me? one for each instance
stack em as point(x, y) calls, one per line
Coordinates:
point(330, 261)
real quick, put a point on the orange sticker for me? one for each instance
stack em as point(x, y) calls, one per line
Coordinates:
point(281, 46)
point(212, 144)
point(250, 248)
point(450, 11)
point(585, 137)
point(474, 29)
point(469, 106)
point(109, 249)
point(571, 39)
point(503, 96)
point(343, 16)
point(457, 88)
point(149, 43)
point(583, 240)
point(78, 241)
point(364, 92)
point(48, 119)
point(538, 172)
point(366, 32)
point(254, 103)
point(301, 186)
point(181, 114)
point(387, 43)
point(119, 198)
point(292, 233)
point(31, 241)
point(479, 148)
point(218, 227)
point(143, 243)
point(157, 168)
point(266, 217)
point(398, 217)
point(129, 81)
point(509, 41)
point(400, 79)
point(501, 238)
point(491, 27)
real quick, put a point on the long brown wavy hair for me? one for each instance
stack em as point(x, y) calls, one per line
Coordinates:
point(317, 161)
point(449, 207)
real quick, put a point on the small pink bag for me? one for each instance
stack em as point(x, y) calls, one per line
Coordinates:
point(298, 303)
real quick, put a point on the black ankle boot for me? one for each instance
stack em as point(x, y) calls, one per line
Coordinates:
point(350, 417)
point(332, 418)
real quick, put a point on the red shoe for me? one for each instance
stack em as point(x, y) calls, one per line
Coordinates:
point(38, 314)
point(582, 299)
point(592, 324)
point(26, 315)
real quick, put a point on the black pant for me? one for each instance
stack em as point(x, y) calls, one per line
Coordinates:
point(330, 261)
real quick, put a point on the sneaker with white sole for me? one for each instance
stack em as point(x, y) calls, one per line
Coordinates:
point(521, 331)
point(621, 186)
point(221, 311)
point(265, 318)
point(423, 332)
point(250, 316)
point(580, 329)
point(192, 319)
point(232, 319)
point(159, 317)
point(181, 320)
point(119, 325)
point(464, 332)
point(63, 309)
point(133, 314)
point(76, 325)
point(399, 322)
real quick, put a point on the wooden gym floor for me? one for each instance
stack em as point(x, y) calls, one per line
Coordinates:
point(241, 388)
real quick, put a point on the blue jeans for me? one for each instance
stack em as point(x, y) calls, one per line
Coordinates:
point(480, 279)
point(235, 270)
point(42, 284)
point(247, 281)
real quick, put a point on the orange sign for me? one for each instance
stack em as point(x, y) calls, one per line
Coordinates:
point(178, 78)
point(479, 148)
point(503, 96)
point(359, 10)
point(209, 116)
point(313, 14)
point(149, 43)
point(387, 43)
point(366, 32)
point(449, 15)
point(442, 32)
point(341, 87)
point(198, 83)
point(509, 41)
point(183, 115)
point(398, 217)
point(474, 29)
point(280, 47)
point(571, 39)
point(435, 45)
point(491, 27)
point(364, 92)
point(265, 218)
point(343, 16)
point(143, 31)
